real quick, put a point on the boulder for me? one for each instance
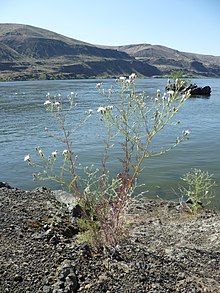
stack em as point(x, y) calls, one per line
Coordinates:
point(203, 91)
point(66, 198)
point(193, 88)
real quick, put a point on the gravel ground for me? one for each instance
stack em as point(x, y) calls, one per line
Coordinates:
point(168, 250)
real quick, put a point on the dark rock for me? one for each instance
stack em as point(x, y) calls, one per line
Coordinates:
point(54, 239)
point(203, 91)
point(5, 185)
point(193, 89)
point(190, 201)
point(86, 250)
point(76, 211)
point(66, 278)
point(70, 230)
point(41, 189)
point(18, 278)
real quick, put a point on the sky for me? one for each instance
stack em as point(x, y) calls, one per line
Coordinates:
point(185, 25)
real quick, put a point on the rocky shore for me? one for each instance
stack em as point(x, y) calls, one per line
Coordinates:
point(167, 250)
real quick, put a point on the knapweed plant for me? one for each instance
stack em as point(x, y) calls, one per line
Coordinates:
point(197, 189)
point(132, 120)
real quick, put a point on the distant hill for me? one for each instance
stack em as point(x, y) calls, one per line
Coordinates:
point(168, 60)
point(28, 52)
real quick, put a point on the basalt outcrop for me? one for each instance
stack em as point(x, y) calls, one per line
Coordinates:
point(193, 89)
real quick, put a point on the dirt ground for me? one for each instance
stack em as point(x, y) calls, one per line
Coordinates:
point(168, 250)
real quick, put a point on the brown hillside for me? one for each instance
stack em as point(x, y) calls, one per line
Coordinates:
point(167, 60)
point(28, 52)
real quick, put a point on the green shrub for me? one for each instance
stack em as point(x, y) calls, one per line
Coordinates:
point(198, 189)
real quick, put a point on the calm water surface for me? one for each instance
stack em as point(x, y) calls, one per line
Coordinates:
point(23, 120)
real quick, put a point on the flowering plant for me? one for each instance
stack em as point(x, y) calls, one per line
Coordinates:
point(133, 120)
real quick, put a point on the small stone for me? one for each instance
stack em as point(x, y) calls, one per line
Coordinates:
point(76, 211)
point(47, 289)
point(88, 286)
point(54, 239)
point(46, 226)
point(50, 279)
point(103, 278)
point(18, 278)
point(61, 284)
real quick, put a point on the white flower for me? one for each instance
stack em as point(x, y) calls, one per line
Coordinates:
point(57, 104)
point(128, 81)
point(186, 132)
point(132, 76)
point(109, 107)
point(164, 97)
point(54, 154)
point(87, 190)
point(27, 158)
point(158, 93)
point(122, 78)
point(110, 91)
point(65, 153)
point(102, 110)
point(171, 93)
point(71, 96)
point(185, 96)
point(47, 103)
point(99, 85)
point(41, 153)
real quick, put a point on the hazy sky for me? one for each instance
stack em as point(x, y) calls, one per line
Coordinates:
point(185, 25)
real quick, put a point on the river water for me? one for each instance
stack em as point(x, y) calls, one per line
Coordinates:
point(23, 120)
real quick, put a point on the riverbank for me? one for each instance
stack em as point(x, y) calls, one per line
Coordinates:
point(168, 250)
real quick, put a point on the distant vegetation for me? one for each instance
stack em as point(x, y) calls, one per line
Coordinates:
point(28, 52)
